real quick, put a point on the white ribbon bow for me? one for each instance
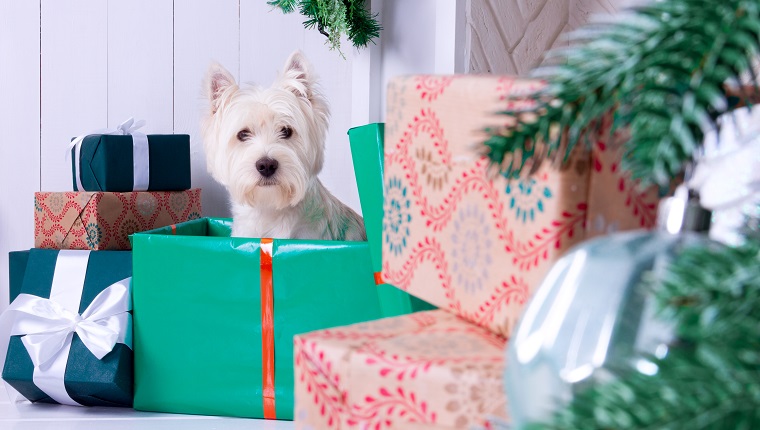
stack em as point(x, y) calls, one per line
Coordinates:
point(140, 156)
point(47, 327)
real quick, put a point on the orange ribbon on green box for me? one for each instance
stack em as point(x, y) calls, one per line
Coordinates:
point(215, 315)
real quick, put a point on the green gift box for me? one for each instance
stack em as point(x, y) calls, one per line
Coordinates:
point(60, 288)
point(367, 153)
point(17, 261)
point(107, 163)
point(215, 315)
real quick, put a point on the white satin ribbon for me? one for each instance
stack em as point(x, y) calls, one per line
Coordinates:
point(140, 153)
point(48, 325)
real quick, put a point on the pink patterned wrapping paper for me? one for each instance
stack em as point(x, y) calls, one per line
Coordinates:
point(466, 239)
point(104, 220)
point(428, 370)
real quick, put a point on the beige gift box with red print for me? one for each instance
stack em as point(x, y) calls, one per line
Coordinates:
point(429, 368)
point(467, 240)
point(104, 220)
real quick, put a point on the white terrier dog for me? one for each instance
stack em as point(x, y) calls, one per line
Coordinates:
point(266, 145)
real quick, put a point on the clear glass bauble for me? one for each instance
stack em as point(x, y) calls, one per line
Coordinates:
point(591, 313)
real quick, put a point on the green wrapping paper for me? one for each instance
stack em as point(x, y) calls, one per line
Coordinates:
point(88, 380)
point(17, 261)
point(198, 314)
point(367, 153)
point(106, 163)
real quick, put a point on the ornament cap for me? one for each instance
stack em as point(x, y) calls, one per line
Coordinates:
point(683, 212)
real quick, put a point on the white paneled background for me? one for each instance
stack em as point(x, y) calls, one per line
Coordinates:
point(103, 61)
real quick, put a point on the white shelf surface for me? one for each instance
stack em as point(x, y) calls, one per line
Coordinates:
point(26, 416)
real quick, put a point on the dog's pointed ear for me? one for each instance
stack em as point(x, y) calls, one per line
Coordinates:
point(296, 76)
point(219, 84)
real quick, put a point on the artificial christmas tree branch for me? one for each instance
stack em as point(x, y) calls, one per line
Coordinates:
point(661, 67)
point(335, 18)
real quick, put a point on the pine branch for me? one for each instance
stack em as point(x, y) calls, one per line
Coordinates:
point(335, 18)
point(287, 6)
point(714, 297)
point(363, 26)
point(661, 67)
point(710, 377)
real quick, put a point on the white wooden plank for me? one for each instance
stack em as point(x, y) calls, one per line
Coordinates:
point(204, 30)
point(449, 36)
point(366, 78)
point(267, 38)
point(73, 81)
point(408, 47)
point(20, 122)
point(140, 69)
point(261, 60)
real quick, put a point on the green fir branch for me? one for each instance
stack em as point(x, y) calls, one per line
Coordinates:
point(287, 6)
point(661, 67)
point(335, 18)
point(363, 26)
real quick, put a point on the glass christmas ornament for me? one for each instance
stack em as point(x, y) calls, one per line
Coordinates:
point(593, 313)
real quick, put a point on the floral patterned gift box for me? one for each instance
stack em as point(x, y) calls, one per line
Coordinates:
point(467, 240)
point(424, 369)
point(104, 220)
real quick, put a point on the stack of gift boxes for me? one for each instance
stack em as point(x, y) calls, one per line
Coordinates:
point(473, 243)
point(407, 330)
point(67, 335)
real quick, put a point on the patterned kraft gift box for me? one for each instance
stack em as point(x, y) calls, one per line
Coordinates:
point(429, 369)
point(66, 337)
point(215, 315)
point(104, 220)
point(467, 240)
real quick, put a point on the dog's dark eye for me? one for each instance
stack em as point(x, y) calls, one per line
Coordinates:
point(286, 132)
point(244, 134)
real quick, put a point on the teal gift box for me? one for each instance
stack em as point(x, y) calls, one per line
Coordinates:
point(107, 163)
point(367, 153)
point(215, 315)
point(56, 286)
point(16, 268)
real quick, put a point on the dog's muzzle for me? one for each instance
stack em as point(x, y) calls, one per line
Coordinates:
point(267, 166)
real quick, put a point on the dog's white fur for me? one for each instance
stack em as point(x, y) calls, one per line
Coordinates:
point(249, 123)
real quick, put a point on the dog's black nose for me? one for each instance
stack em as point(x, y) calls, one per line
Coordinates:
point(267, 166)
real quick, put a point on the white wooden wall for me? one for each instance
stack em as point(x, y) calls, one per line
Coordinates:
point(71, 66)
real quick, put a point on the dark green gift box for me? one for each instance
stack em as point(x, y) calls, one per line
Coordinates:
point(87, 380)
point(367, 153)
point(198, 312)
point(16, 268)
point(106, 163)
